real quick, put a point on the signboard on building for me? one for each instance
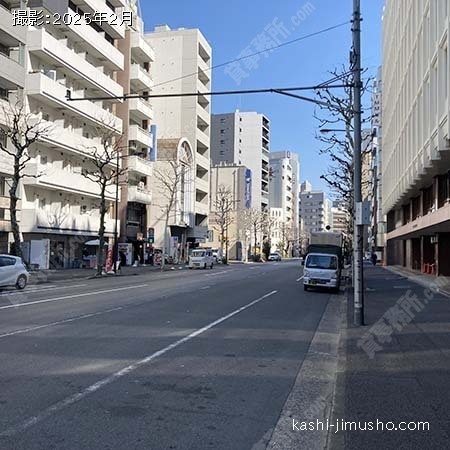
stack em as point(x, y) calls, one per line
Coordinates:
point(376, 110)
point(248, 188)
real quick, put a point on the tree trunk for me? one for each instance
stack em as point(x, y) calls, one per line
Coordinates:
point(17, 251)
point(101, 232)
point(166, 235)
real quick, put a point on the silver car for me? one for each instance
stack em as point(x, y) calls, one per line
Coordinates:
point(13, 272)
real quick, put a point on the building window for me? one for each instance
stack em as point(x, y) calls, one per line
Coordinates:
point(2, 186)
point(3, 138)
point(222, 142)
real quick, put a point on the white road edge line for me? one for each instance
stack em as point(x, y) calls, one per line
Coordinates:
point(85, 294)
point(56, 407)
point(59, 322)
point(300, 279)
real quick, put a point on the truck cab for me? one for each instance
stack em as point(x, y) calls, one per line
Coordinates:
point(322, 270)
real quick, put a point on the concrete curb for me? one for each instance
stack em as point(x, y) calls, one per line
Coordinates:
point(336, 441)
point(312, 394)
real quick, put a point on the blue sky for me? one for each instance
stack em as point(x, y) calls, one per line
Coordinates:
point(231, 28)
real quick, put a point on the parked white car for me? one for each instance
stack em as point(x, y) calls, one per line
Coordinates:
point(13, 272)
point(275, 256)
point(201, 259)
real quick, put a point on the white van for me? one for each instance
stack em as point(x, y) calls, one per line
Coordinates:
point(201, 259)
point(322, 270)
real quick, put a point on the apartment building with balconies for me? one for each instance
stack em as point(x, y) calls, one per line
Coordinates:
point(183, 65)
point(59, 204)
point(12, 82)
point(137, 116)
point(415, 134)
point(284, 189)
point(243, 138)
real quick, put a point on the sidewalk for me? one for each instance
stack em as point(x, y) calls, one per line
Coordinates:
point(395, 369)
point(50, 276)
point(429, 281)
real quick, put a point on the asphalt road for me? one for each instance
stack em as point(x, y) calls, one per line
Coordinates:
point(176, 360)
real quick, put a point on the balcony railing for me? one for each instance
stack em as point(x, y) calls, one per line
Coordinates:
point(45, 45)
point(38, 221)
point(51, 91)
point(140, 165)
point(141, 49)
point(137, 194)
point(63, 180)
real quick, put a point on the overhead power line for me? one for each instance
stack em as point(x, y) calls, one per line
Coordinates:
point(284, 91)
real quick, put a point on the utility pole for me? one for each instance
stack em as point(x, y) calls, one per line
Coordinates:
point(116, 207)
point(358, 227)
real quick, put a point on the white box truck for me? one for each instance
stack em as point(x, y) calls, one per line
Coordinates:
point(323, 261)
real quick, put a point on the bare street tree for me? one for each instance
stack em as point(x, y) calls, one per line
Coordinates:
point(22, 129)
point(286, 238)
point(336, 136)
point(223, 207)
point(252, 223)
point(168, 179)
point(104, 169)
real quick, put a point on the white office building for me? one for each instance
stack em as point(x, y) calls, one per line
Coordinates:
point(415, 134)
point(183, 64)
point(243, 138)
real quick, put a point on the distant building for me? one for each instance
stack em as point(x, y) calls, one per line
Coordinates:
point(284, 194)
point(243, 138)
point(341, 218)
point(237, 180)
point(315, 209)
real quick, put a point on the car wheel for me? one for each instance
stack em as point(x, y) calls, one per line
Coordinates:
point(21, 282)
point(204, 267)
point(305, 288)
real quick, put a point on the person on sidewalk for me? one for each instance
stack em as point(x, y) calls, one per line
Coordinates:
point(374, 258)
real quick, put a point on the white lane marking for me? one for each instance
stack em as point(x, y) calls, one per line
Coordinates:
point(59, 322)
point(56, 407)
point(85, 294)
point(44, 289)
point(222, 272)
point(300, 279)
point(205, 287)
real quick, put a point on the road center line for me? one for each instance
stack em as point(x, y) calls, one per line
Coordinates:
point(85, 294)
point(59, 322)
point(59, 406)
